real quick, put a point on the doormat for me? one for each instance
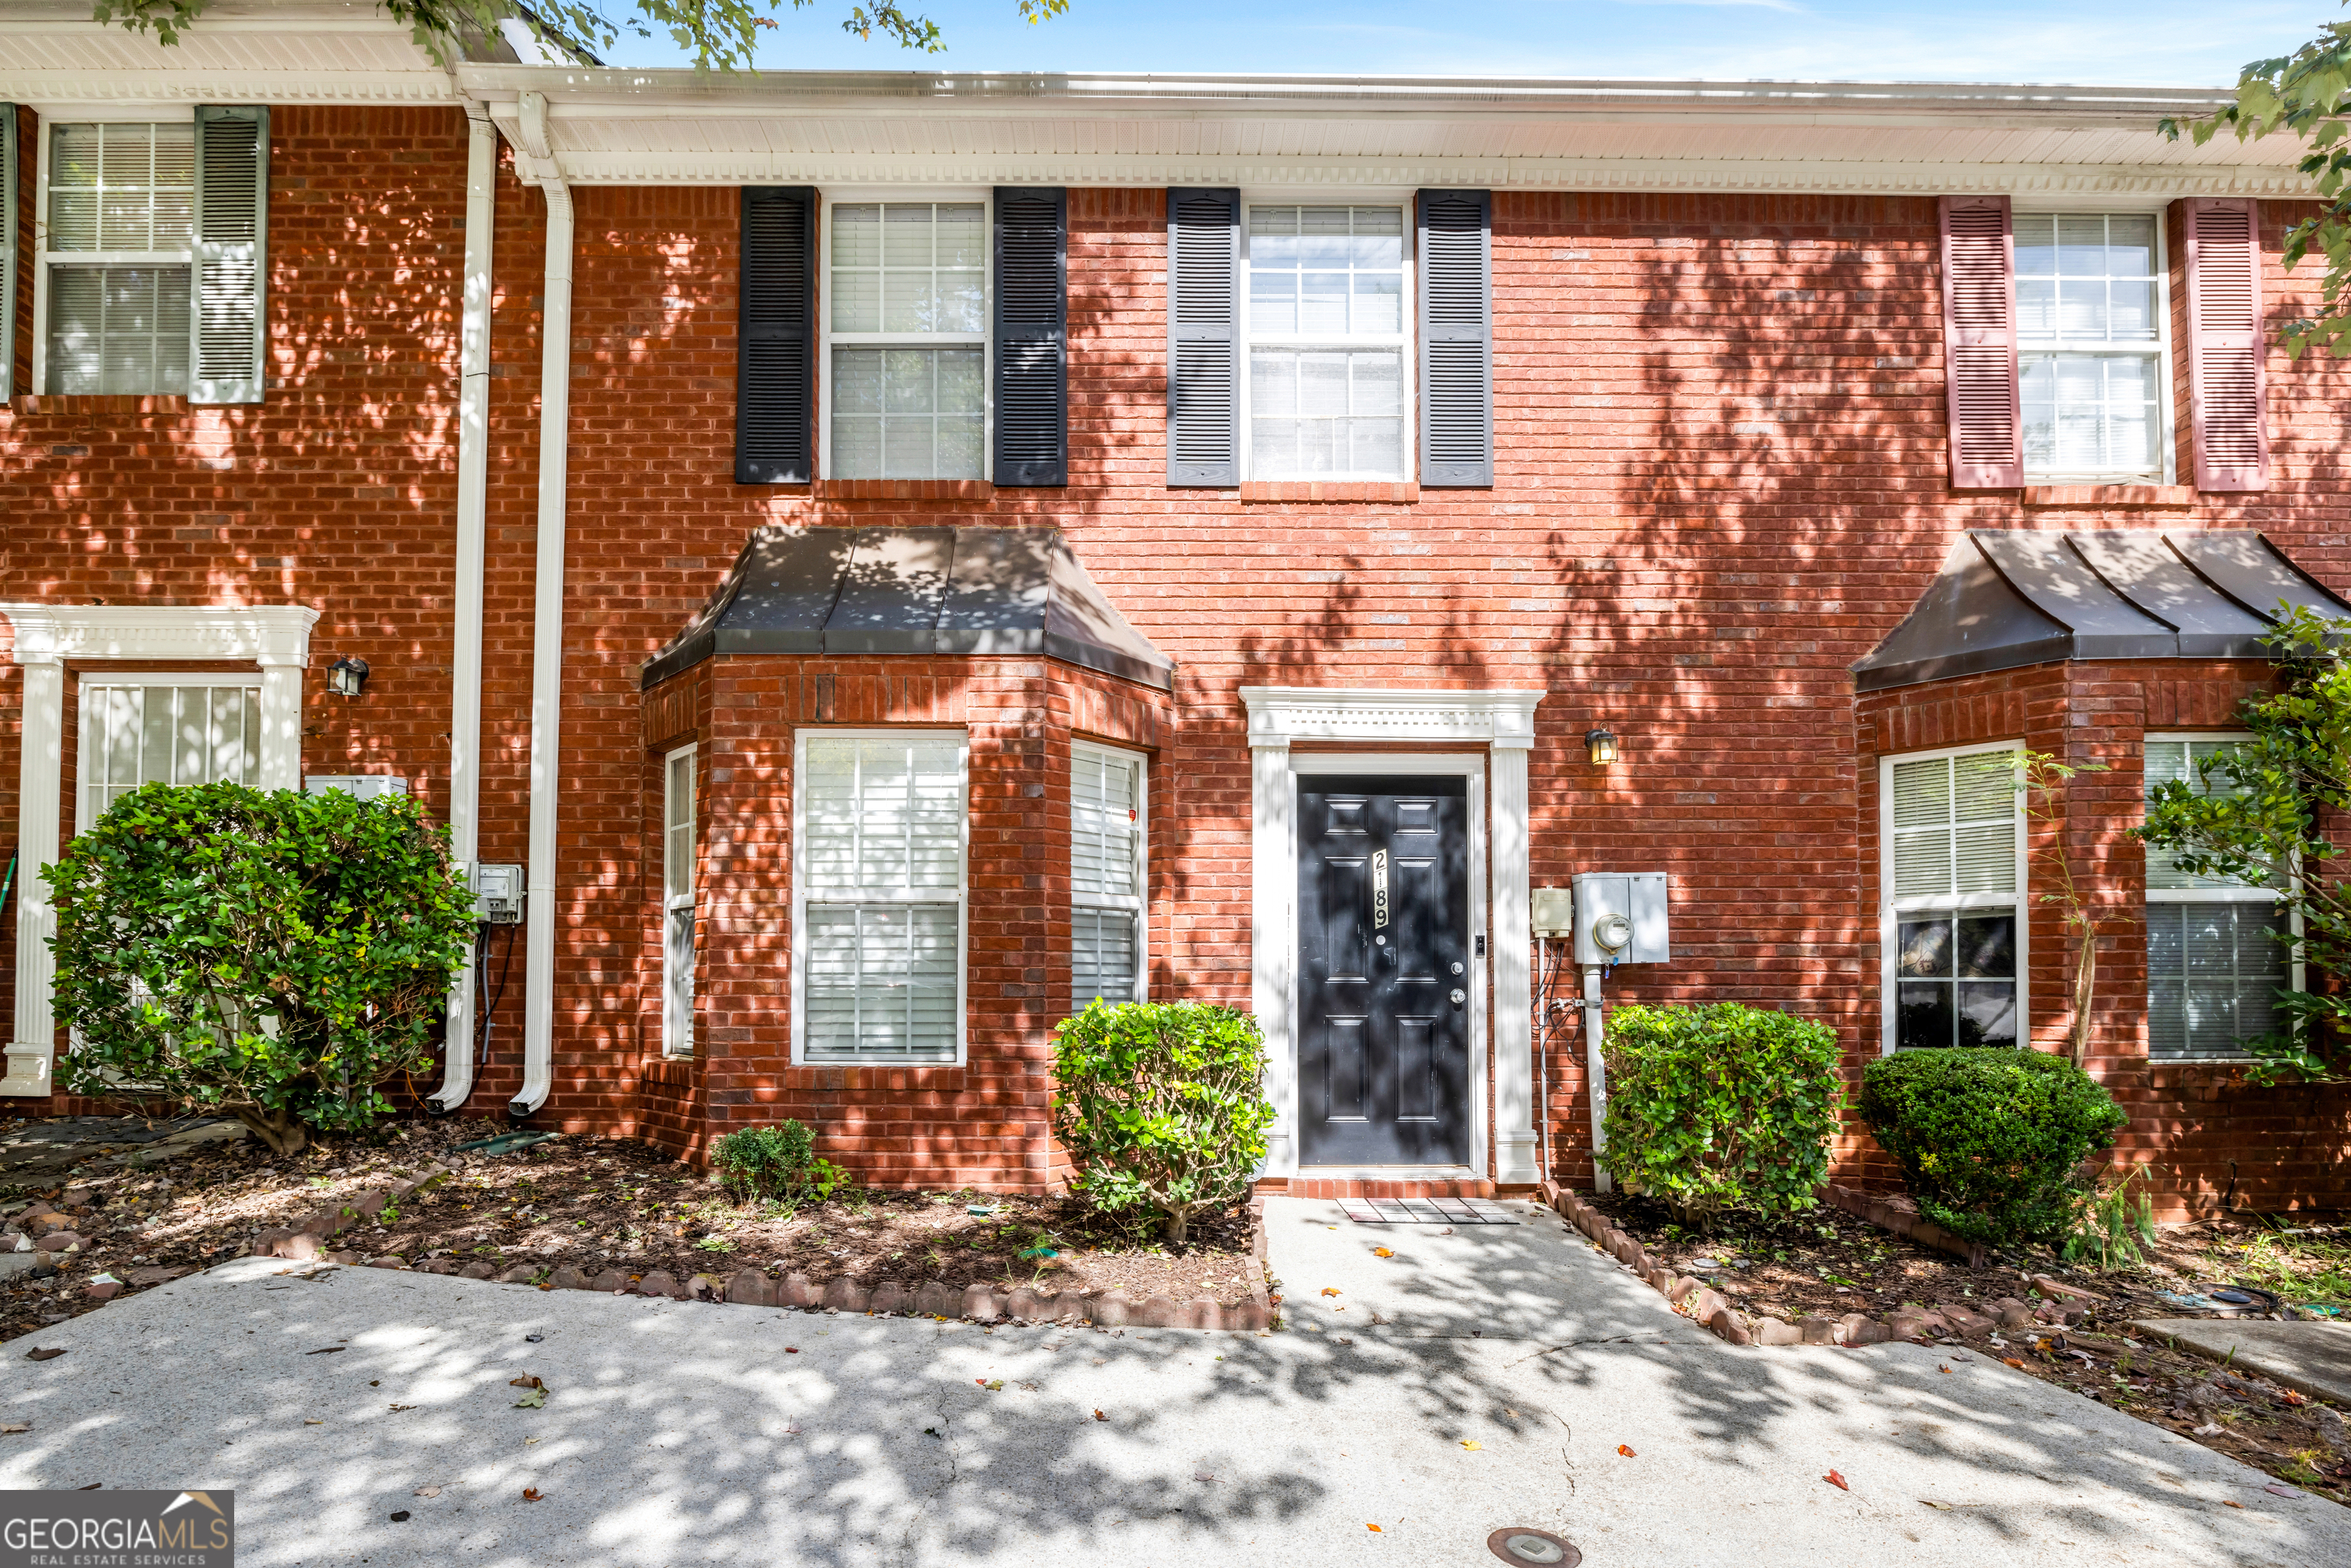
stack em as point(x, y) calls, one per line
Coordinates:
point(1425, 1211)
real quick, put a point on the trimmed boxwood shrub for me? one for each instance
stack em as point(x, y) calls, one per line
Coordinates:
point(1992, 1139)
point(779, 1161)
point(1720, 1106)
point(270, 955)
point(1162, 1105)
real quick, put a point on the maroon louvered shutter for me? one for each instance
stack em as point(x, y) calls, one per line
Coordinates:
point(1979, 343)
point(2225, 344)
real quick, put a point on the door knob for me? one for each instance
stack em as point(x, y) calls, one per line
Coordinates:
point(1459, 995)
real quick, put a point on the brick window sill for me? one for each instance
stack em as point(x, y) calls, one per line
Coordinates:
point(905, 489)
point(1315, 491)
point(2110, 494)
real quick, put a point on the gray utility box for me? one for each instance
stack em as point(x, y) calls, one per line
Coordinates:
point(366, 785)
point(497, 895)
point(1620, 917)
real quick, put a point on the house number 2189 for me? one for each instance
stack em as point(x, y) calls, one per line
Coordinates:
point(1379, 890)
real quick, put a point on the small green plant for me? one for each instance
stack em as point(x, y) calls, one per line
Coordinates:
point(1162, 1105)
point(1991, 1138)
point(2116, 1227)
point(1720, 1106)
point(778, 1162)
point(715, 1244)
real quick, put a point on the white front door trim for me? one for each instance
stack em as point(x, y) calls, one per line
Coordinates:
point(1502, 721)
point(275, 636)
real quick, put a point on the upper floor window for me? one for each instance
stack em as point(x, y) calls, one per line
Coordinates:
point(1954, 875)
point(118, 257)
point(907, 339)
point(1327, 373)
point(2090, 346)
point(2213, 972)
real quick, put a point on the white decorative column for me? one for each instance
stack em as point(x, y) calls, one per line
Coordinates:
point(1272, 869)
point(281, 720)
point(1515, 1160)
point(33, 1043)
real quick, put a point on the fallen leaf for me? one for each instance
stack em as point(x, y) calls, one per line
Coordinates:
point(791, 1349)
point(2230, 1502)
point(1932, 1503)
point(1100, 1416)
point(1383, 1252)
point(1627, 1451)
point(1942, 1369)
point(524, 1382)
point(1203, 1476)
point(1375, 1528)
point(530, 1494)
point(314, 1423)
point(2275, 1490)
point(330, 1350)
point(1836, 1480)
point(534, 1400)
point(526, 1442)
point(426, 1492)
point(1329, 1292)
point(14, 1428)
point(44, 1354)
point(399, 1407)
point(2012, 1361)
point(1474, 1446)
point(994, 1385)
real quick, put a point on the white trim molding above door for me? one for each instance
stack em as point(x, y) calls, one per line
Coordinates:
point(276, 637)
point(1502, 721)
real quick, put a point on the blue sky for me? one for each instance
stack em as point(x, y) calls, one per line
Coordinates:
point(2172, 43)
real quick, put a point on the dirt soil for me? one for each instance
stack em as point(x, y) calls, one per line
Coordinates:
point(1830, 1263)
point(593, 1204)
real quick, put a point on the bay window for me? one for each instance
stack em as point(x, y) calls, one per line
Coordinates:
point(2213, 972)
point(1107, 888)
point(1954, 929)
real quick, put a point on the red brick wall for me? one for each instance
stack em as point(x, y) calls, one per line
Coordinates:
point(1721, 477)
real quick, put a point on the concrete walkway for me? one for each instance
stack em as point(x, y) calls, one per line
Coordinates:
point(683, 1433)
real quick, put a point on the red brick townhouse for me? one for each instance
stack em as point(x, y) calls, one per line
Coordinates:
point(893, 557)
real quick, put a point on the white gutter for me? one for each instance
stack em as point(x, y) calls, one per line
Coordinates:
point(546, 644)
point(473, 515)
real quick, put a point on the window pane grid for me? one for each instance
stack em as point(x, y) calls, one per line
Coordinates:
point(2090, 331)
point(117, 331)
point(1955, 826)
point(915, 272)
point(907, 413)
point(167, 735)
point(2213, 977)
point(880, 863)
point(1326, 328)
point(122, 187)
point(1105, 886)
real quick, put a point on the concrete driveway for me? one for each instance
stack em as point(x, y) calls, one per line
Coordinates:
point(684, 1432)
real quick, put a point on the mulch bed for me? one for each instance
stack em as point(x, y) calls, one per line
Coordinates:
point(598, 1204)
point(1829, 1263)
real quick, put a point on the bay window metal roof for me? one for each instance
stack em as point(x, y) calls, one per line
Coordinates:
point(2008, 598)
point(940, 591)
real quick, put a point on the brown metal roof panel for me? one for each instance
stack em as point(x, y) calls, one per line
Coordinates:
point(1968, 622)
point(2043, 569)
point(890, 592)
point(2249, 569)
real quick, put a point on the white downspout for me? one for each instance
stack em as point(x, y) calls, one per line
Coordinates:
point(547, 657)
point(473, 515)
point(1595, 1075)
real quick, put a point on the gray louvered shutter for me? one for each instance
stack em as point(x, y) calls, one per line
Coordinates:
point(228, 328)
point(1033, 335)
point(774, 353)
point(8, 250)
point(1456, 274)
point(1204, 350)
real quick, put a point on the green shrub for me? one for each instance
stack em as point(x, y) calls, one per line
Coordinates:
point(1720, 1106)
point(1992, 1139)
point(776, 1162)
point(275, 956)
point(1162, 1105)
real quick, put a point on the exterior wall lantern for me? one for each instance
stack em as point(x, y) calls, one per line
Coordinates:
point(1601, 744)
point(346, 675)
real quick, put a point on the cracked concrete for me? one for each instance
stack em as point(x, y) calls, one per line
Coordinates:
point(678, 1433)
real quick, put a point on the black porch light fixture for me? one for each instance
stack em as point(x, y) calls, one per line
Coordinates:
point(1601, 743)
point(346, 675)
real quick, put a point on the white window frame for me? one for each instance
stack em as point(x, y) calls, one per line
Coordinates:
point(92, 682)
point(1140, 904)
point(800, 739)
point(985, 338)
point(2296, 975)
point(2165, 437)
point(1407, 337)
point(51, 117)
point(677, 988)
point(1891, 909)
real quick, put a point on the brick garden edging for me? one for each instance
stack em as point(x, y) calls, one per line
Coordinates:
point(1708, 1307)
point(751, 1286)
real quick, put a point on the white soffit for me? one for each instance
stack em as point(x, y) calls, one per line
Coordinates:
point(237, 51)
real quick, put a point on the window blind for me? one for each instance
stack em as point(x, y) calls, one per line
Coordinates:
point(677, 904)
point(880, 868)
point(1955, 825)
point(1106, 870)
point(2183, 761)
point(2213, 977)
point(134, 735)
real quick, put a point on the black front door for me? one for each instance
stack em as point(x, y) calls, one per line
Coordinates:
point(1383, 971)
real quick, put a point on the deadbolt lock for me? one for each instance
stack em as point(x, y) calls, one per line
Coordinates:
point(1456, 968)
point(1459, 995)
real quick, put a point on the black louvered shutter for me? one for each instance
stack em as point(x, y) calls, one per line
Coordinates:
point(1204, 350)
point(1033, 335)
point(7, 251)
point(1457, 338)
point(228, 351)
point(774, 350)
